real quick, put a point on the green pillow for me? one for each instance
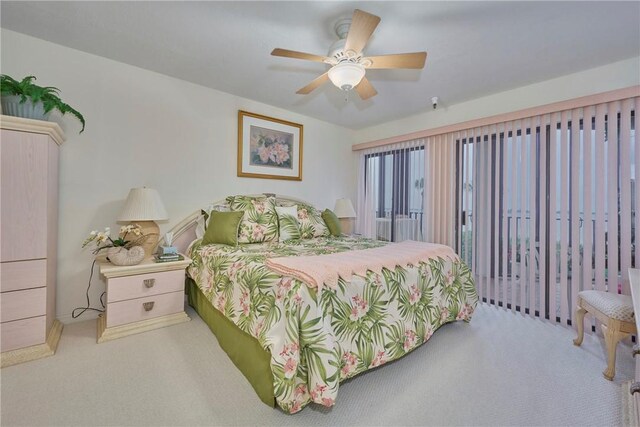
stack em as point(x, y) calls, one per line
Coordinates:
point(332, 221)
point(223, 228)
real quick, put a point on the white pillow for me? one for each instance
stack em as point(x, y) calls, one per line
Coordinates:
point(288, 225)
point(200, 229)
point(287, 210)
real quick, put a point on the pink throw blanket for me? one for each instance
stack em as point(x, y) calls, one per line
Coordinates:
point(317, 270)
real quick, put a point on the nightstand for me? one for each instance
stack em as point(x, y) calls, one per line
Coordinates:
point(142, 297)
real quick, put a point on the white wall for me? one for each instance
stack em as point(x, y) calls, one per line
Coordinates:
point(596, 80)
point(145, 128)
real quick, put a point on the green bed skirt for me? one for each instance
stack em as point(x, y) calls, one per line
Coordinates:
point(244, 350)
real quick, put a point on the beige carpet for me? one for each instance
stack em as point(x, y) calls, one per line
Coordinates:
point(501, 369)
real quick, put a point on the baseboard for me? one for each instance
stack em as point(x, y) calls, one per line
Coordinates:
point(87, 315)
point(27, 354)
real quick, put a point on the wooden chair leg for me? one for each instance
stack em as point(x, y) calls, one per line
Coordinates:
point(580, 312)
point(612, 335)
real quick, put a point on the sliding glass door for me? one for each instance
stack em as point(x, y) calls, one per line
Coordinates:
point(545, 206)
point(396, 179)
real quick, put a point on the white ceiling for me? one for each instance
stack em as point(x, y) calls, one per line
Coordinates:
point(474, 48)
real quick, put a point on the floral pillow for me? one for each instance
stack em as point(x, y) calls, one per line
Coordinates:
point(260, 221)
point(311, 222)
point(289, 227)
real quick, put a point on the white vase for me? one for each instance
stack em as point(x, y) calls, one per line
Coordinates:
point(122, 256)
point(11, 106)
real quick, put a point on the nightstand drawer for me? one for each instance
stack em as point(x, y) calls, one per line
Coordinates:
point(23, 333)
point(143, 285)
point(22, 304)
point(23, 275)
point(134, 310)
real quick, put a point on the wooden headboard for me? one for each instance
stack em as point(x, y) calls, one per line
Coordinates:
point(185, 231)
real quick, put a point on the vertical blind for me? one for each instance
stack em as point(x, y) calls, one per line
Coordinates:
point(438, 200)
point(539, 207)
point(546, 206)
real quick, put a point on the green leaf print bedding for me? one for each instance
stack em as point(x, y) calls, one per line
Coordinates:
point(319, 338)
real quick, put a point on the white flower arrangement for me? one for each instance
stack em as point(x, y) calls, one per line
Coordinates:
point(102, 239)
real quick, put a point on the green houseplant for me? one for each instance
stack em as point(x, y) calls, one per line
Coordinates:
point(26, 99)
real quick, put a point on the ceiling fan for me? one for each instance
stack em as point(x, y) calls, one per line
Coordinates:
point(348, 65)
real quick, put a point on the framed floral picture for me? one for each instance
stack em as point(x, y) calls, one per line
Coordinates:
point(268, 147)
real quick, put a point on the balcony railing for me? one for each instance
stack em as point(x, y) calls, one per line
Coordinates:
point(411, 213)
point(515, 222)
point(405, 225)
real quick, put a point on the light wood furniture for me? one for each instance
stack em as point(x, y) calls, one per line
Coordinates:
point(616, 314)
point(634, 278)
point(28, 239)
point(142, 297)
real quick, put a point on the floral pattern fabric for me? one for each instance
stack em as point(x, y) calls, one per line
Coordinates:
point(288, 226)
point(319, 338)
point(311, 223)
point(260, 221)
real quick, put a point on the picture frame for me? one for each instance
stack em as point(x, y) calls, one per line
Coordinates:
point(269, 148)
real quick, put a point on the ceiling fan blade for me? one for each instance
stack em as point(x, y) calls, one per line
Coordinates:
point(362, 26)
point(365, 89)
point(414, 60)
point(297, 55)
point(319, 81)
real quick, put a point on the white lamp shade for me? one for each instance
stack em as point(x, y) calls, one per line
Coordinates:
point(346, 75)
point(143, 204)
point(344, 209)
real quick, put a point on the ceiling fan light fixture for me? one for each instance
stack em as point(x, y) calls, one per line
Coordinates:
point(346, 75)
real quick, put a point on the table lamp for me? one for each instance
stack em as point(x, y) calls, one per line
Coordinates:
point(143, 207)
point(345, 212)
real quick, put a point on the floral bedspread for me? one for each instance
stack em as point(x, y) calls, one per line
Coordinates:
point(319, 338)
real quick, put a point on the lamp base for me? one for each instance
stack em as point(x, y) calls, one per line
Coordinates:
point(151, 229)
point(346, 224)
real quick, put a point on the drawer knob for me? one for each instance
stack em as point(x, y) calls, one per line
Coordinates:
point(634, 387)
point(148, 306)
point(149, 282)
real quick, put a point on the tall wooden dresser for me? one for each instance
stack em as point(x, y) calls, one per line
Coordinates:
point(28, 239)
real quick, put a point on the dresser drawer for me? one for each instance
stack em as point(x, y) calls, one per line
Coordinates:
point(23, 275)
point(143, 285)
point(22, 304)
point(23, 333)
point(121, 312)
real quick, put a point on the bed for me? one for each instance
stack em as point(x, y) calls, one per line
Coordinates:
point(296, 343)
